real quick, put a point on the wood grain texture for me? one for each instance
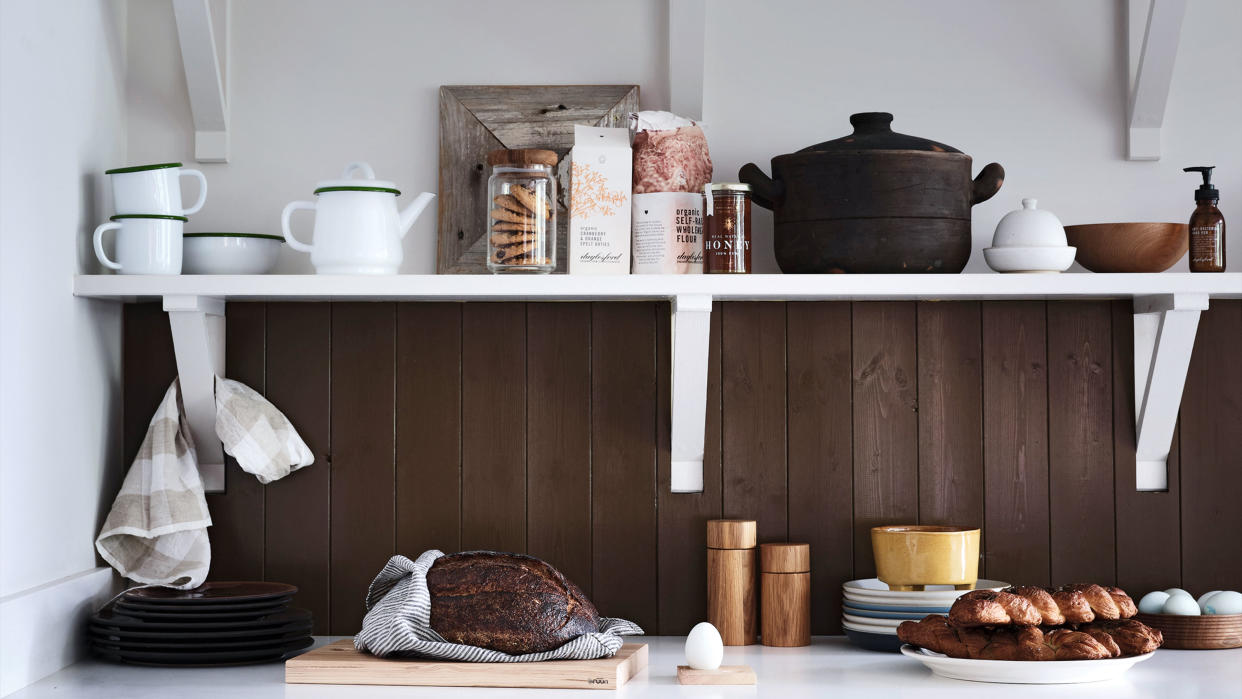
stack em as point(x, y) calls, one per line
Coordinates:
point(558, 437)
point(723, 675)
point(298, 514)
point(340, 663)
point(950, 385)
point(1015, 442)
point(1148, 523)
point(623, 467)
point(493, 446)
point(785, 613)
point(237, 538)
point(885, 370)
point(428, 427)
point(820, 439)
point(1211, 454)
point(476, 119)
point(752, 369)
point(363, 479)
point(1080, 442)
point(683, 516)
point(733, 594)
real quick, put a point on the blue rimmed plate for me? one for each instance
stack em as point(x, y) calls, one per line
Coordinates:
point(901, 612)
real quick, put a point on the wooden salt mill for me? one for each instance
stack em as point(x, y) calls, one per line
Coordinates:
point(731, 570)
point(786, 591)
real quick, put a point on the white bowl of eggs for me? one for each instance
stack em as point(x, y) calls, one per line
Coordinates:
point(1211, 622)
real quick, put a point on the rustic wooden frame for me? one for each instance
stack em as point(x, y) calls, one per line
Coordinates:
point(476, 119)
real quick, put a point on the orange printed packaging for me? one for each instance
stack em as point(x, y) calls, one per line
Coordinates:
point(599, 201)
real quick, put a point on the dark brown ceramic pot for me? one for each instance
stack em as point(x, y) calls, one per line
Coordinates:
point(875, 201)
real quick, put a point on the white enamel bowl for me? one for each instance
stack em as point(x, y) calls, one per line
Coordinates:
point(230, 253)
point(1024, 672)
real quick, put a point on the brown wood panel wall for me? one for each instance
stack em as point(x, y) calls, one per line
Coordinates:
point(544, 427)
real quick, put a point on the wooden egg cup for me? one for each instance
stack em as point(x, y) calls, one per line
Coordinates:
point(725, 674)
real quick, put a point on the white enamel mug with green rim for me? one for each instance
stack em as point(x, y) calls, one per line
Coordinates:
point(154, 189)
point(145, 243)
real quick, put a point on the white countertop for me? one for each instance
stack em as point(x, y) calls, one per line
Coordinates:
point(830, 667)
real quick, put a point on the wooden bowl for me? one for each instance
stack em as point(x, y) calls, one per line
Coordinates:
point(1129, 247)
point(908, 557)
point(1206, 632)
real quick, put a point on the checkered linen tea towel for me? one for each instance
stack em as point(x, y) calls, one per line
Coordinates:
point(258, 435)
point(398, 623)
point(156, 532)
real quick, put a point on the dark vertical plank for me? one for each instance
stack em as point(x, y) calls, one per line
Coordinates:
point(237, 513)
point(683, 516)
point(148, 367)
point(752, 369)
point(951, 478)
point(1148, 524)
point(363, 404)
point(885, 371)
point(623, 470)
point(493, 447)
point(298, 511)
point(428, 427)
point(1211, 453)
point(558, 437)
point(1015, 442)
point(1080, 441)
point(821, 471)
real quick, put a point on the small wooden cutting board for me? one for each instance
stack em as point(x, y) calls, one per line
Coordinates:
point(341, 663)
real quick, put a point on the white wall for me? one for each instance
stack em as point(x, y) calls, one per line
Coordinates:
point(62, 67)
point(318, 84)
point(1037, 86)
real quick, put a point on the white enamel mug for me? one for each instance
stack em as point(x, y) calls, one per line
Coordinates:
point(154, 189)
point(145, 244)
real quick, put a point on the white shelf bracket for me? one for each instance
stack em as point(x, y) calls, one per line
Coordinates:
point(200, 23)
point(198, 340)
point(1154, 30)
point(1164, 337)
point(691, 319)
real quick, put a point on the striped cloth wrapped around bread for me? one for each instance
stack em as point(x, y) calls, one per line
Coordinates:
point(1073, 622)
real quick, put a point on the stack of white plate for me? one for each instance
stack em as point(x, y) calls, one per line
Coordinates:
point(872, 612)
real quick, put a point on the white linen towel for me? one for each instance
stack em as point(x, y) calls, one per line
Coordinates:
point(398, 623)
point(258, 435)
point(156, 532)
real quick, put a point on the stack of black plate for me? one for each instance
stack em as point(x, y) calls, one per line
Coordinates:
point(218, 623)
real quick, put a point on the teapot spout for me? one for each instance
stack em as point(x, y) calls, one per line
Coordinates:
point(411, 212)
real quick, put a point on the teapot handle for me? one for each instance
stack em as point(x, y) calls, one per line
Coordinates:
point(284, 225)
point(365, 168)
point(987, 184)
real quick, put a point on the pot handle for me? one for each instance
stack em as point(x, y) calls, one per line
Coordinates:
point(987, 184)
point(765, 191)
point(284, 225)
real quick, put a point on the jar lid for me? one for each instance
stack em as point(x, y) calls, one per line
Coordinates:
point(729, 187)
point(732, 533)
point(785, 558)
point(522, 156)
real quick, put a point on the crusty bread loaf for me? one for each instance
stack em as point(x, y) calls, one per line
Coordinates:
point(507, 602)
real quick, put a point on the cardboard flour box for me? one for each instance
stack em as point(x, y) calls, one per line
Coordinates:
point(668, 233)
point(599, 201)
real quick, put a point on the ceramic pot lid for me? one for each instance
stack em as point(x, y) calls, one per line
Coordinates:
point(1029, 227)
point(873, 131)
point(367, 183)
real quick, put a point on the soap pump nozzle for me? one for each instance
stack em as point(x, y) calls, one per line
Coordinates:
point(1205, 190)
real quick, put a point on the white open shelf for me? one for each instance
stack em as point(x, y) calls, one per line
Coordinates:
point(1166, 314)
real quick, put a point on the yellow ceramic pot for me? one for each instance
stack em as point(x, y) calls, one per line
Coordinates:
point(907, 557)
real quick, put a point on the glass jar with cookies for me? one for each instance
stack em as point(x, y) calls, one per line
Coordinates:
point(521, 211)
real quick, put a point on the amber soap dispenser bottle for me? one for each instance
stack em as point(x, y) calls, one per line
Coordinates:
point(1207, 226)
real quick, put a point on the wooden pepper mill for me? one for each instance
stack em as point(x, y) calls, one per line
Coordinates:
point(731, 569)
point(786, 592)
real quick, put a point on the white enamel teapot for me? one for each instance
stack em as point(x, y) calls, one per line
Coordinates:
point(358, 229)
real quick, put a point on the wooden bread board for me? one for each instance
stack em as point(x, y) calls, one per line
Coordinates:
point(341, 663)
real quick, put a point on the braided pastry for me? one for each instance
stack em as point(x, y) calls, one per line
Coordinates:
point(1080, 603)
point(1015, 643)
point(1132, 636)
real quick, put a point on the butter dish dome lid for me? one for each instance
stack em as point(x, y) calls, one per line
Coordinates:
point(1029, 227)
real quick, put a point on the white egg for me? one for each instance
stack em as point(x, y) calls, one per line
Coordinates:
point(1203, 598)
point(1153, 602)
point(704, 647)
point(1228, 602)
point(1183, 605)
point(1177, 591)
